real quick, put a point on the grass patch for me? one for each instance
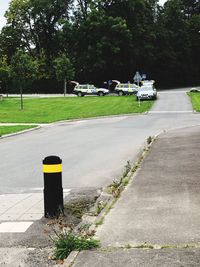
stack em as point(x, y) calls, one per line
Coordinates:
point(14, 129)
point(68, 242)
point(195, 99)
point(46, 110)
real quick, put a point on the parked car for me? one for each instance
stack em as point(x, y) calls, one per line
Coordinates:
point(146, 92)
point(88, 89)
point(125, 88)
point(194, 90)
point(147, 82)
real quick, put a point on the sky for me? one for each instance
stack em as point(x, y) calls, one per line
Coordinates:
point(4, 6)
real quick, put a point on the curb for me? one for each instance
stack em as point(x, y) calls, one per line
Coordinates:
point(100, 117)
point(66, 121)
point(20, 132)
point(70, 259)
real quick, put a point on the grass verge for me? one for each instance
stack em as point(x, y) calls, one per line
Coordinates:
point(14, 129)
point(195, 99)
point(46, 110)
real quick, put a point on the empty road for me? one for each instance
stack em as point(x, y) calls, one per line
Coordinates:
point(95, 151)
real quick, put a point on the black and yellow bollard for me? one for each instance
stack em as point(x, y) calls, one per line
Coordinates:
point(53, 191)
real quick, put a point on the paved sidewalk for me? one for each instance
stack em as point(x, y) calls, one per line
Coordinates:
point(160, 210)
point(19, 211)
point(24, 234)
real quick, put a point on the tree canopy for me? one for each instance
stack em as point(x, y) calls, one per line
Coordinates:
point(107, 39)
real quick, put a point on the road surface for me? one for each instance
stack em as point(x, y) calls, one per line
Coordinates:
point(95, 151)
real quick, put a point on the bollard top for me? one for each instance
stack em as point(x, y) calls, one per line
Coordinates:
point(52, 160)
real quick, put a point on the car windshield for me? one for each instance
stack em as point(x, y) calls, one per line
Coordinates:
point(91, 86)
point(125, 85)
point(83, 86)
point(146, 88)
point(86, 86)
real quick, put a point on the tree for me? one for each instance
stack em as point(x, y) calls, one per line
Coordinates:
point(107, 39)
point(38, 23)
point(101, 47)
point(63, 69)
point(4, 71)
point(23, 70)
point(10, 41)
point(174, 63)
point(194, 26)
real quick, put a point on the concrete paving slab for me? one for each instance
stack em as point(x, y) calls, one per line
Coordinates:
point(161, 206)
point(25, 257)
point(139, 258)
point(23, 207)
point(18, 206)
point(14, 227)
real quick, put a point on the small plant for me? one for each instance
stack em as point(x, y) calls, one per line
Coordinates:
point(135, 167)
point(145, 245)
point(125, 181)
point(127, 168)
point(149, 140)
point(66, 242)
point(114, 186)
point(100, 222)
point(100, 206)
point(117, 192)
point(128, 246)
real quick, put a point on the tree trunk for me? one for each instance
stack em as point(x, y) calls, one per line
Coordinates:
point(65, 87)
point(22, 105)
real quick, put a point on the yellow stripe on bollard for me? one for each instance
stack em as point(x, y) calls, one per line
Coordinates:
point(52, 168)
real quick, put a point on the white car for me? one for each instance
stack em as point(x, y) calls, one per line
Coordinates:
point(146, 92)
point(89, 89)
point(148, 82)
point(126, 88)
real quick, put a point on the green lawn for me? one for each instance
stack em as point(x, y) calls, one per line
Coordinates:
point(13, 129)
point(195, 98)
point(55, 109)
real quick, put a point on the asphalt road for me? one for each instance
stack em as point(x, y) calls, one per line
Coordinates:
point(94, 152)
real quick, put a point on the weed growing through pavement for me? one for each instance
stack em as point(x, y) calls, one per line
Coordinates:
point(100, 206)
point(145, 245)
point(125, 182)
point(128, 246)
point(100, 222)
point(115, 188)
point(127, 169)
point(149, 140)
point(66, 242)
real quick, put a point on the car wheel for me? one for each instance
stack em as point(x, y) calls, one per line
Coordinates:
point(120, 93)
point(79, 94)
point(100, 93)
